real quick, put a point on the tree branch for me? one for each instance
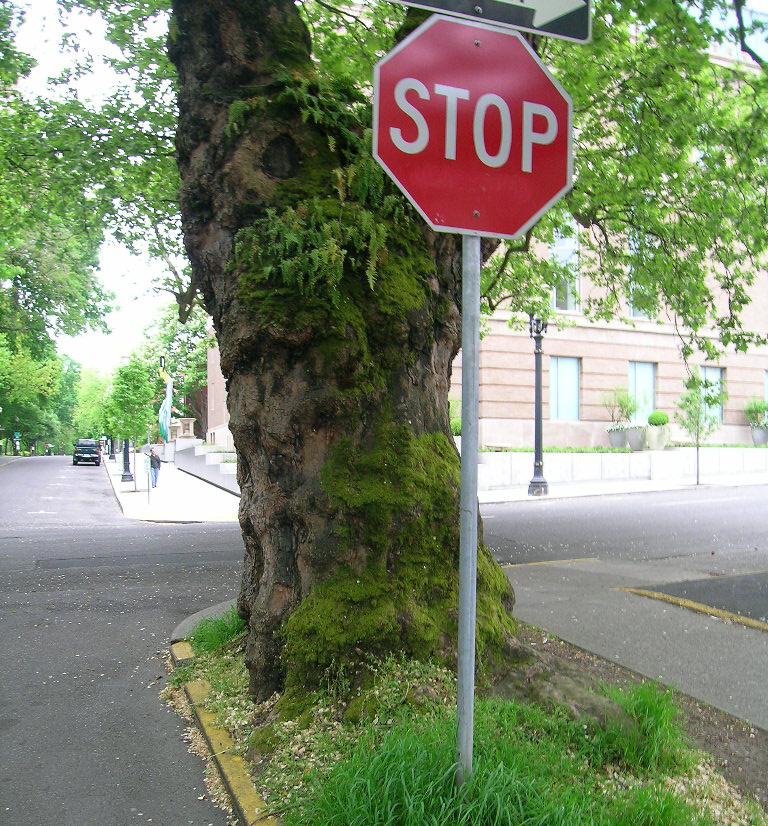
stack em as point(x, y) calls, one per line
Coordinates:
point(738, 7)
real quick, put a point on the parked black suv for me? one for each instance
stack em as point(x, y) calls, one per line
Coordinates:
point(87, 450)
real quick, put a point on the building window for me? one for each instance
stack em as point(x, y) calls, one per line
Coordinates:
point(564, 389)
point(642, 386)
point(565, 296)
point(635, 312)
point(713, 375)
point(565, 253)
point(636, 246)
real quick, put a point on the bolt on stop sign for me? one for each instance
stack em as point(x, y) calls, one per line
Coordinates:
point(473, 128)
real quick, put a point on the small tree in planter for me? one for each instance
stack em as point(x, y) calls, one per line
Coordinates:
point(657, 433)
point(756, 411)
point(695, 413)
point(621, 407)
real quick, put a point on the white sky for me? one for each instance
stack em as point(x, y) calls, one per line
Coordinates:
point(128, 276)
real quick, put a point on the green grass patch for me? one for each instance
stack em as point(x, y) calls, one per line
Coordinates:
point(455, 416)
point(382, 753)
point(658, 744)
point(212, 633)
point(529, 768)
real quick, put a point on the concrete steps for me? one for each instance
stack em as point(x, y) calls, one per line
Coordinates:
point(211, 463)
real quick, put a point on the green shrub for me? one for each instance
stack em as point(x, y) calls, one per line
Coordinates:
point(455, 414)
point(756, 411)
point(620, 404)
point(212, 633)
point(658, 418)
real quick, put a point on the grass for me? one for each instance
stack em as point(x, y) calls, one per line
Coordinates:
point(455, 416)
point(530, 768)
point(384, 754)
point(214, 632)
point(656, 745)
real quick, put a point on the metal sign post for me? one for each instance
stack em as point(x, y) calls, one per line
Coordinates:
point(477, 133)
point(470, 353)
point(148, 462)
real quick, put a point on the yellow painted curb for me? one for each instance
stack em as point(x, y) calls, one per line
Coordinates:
point(550, 562)
point(247, 804)
point(182, 653)
point(699, 608)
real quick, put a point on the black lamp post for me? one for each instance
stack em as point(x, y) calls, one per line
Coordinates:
point(127, 475)
point(538, 485)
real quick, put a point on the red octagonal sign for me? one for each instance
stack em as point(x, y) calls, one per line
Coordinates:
point(473, 128)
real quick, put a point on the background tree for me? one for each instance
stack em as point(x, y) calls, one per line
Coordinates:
point(63, 406)
point(667, 199)
point(185, 347)
point(50, 210)
point(88, 415)
point(28, 389)
point(699, 409)
point(128, 411)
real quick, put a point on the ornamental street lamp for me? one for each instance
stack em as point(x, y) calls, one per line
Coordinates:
point(127, 475)
point(538, 485)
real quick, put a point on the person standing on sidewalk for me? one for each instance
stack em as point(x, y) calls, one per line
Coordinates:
point(154, 466)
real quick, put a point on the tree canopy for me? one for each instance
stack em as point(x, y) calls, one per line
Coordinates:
point(50, 210)
point(128, 412)
point(668, 185)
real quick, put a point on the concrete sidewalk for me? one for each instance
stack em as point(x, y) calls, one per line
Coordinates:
point(183, 497)
point(178, 496)
point(565, 490)
point(590, 603)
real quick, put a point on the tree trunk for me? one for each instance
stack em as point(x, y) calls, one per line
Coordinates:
point(337, 373)
point(197, 404)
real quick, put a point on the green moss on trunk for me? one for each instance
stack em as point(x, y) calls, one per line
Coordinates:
point(396, 522)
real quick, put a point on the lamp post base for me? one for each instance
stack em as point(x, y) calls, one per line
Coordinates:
point(538, 487)
point(127, 475)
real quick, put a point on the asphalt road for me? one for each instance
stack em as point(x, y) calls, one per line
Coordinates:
point(643, 526)
point(87, 603)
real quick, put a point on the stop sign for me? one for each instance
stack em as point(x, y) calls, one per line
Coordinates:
point(472, 127)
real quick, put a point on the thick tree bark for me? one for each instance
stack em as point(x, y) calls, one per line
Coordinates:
point(338, 399)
